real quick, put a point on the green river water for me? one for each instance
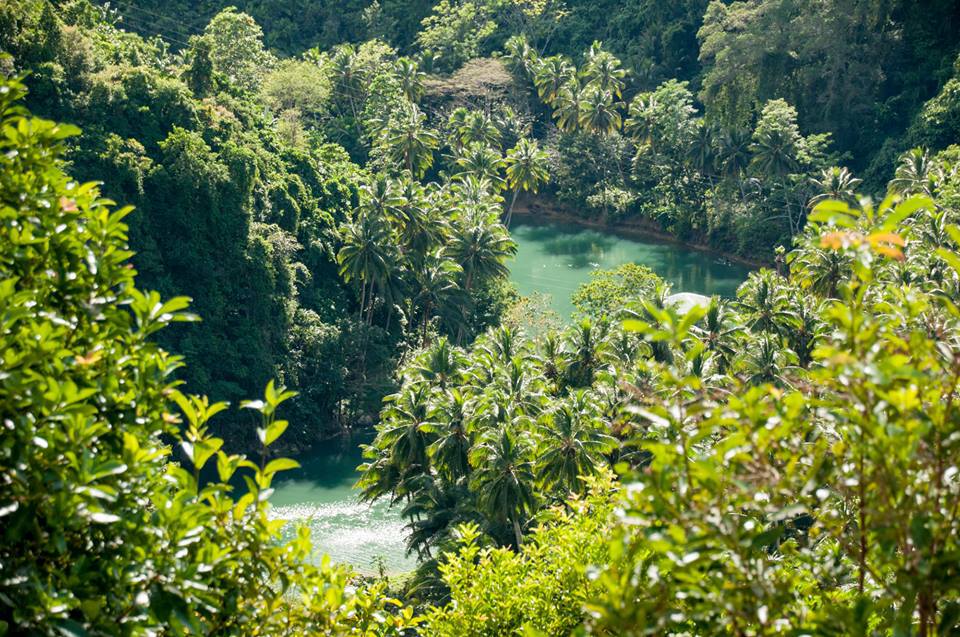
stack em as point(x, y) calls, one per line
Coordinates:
point(552, 258)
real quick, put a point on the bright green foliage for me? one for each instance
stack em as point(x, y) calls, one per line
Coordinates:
point(821, 510)
point(236, 48)
point(526, 170)
point(454, 32)
point(609, 291)
point(540, 590)
point(106, 529)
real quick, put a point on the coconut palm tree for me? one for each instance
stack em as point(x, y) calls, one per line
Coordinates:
point(503, 479)
point(481, 246)
point(806, 331)
point(720, 333)
point(437, 290)
point(551, 76)
point(572, 445)
point(437, 508)
point(584, 349)
point(763, 304)
point(409, 142)
point(567, 106)
point(367, 256)
point(405, 430)
point(836, 184)
point(526, 170)
point(440, 364)
point(478, 128)
point(774, 154)
point(381, 197)
point(450, 451)
point(733, 152)
point(599, 113)
point(701, 152)
point(602, 70)
point(411, 79)
point(641, 122)
point(482, 162)
point(767, 361)
point(822, 270)
point(916, 174)
point(521, 58)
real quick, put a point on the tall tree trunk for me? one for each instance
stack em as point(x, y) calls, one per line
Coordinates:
point(513, 200)
point(466, 288)
point(423, 326)
point(516, 533)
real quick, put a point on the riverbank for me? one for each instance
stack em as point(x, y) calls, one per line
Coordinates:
point(638, 228)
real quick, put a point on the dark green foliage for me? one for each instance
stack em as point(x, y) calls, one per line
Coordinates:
point(103, 531)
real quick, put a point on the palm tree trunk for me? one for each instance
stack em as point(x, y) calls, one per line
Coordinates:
point(466, 288)
point(513, 200)
point(423, 327)
point(516, 533)
point(363, 298)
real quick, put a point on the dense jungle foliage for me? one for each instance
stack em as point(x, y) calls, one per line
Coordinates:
point(332, 186)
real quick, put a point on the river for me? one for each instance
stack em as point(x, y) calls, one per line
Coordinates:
point(552, 258)
point(555, 258)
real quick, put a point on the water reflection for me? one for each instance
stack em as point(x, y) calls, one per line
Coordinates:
point(555, 258)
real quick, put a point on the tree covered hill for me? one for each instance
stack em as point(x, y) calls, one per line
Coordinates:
point(785, 462)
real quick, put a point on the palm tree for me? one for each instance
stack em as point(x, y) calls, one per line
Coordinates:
point(763, 305)
point(482, 162)
point(836, 184)
point(367, 256)
point(572, 445)
point(767, 362)
point(472, 190)
point(478, 128)
point(437, 290)
point(526, 170)
point(568, 105)
point(775, 154)
point(406, 430)
point(599, 112)
point(348, 76)
point(381, 197)
point(450, 451)
point(584, 349)
point(411, 79)
point(701, 153)
point(550, 356)
point(437, 507)
point(603, 70)
point(641, 123)
point(552, 75)
point(720, 334)
point(503, 478)
point(733, 152)
point(806, 331)
point(916, 174)
point(520, 57)
point(440, 364)
point(822, 270)
point(410, 142)
point(481, 245)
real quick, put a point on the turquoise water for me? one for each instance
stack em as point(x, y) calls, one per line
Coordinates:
point(555, 258)
point(320, 494)
point(551, 258)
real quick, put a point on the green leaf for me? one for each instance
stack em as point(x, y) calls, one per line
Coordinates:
point(274, 430)
point(281, 464)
